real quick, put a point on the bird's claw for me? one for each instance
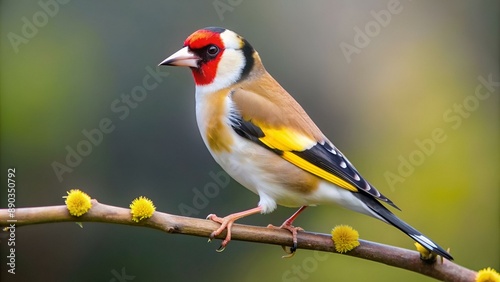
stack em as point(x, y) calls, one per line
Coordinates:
point(290, 253)
point(225, 224)
point(293, 230)
point(212, 236)
point(221, 248)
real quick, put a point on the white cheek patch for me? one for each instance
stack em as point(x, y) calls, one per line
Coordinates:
point(228, 72)
point(230, 67)
point(231, 40)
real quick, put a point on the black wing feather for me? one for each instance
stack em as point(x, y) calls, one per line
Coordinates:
point(324, 156)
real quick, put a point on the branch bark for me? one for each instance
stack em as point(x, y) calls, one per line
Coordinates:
point(393, 256)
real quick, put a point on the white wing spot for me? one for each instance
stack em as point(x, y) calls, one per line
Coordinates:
point(331, 148)
point(356, 177)
point(343, 164)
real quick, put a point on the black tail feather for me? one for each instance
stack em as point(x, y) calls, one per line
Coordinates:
point(392, 219)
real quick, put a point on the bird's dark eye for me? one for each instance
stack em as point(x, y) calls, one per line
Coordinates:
point(212, 50)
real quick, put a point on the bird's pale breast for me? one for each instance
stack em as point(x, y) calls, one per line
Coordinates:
point(260, 170)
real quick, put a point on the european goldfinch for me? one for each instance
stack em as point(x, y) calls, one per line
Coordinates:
point(264, 139)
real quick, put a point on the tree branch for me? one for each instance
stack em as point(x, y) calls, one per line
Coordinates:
point(394, 256)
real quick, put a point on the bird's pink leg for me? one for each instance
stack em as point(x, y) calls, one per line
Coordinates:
point(288, 226)
point(227, 223)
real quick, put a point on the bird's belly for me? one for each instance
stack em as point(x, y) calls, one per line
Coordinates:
point(265, 173)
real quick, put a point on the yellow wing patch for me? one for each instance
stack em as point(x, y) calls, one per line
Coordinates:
point(307, 166)
point(288, 141)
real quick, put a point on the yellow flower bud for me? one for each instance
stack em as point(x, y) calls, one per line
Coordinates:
point(345, 238)
point(141, 208)
point(77, 202)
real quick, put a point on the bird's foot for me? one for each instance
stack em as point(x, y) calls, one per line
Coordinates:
point(227, 223)
point(286, 225)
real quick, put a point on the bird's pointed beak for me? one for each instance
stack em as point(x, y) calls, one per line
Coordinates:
point(183, 57)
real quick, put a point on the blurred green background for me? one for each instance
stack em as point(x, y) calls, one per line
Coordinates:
point(63, 66)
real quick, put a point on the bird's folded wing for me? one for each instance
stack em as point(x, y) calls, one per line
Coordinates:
point(320, 158)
